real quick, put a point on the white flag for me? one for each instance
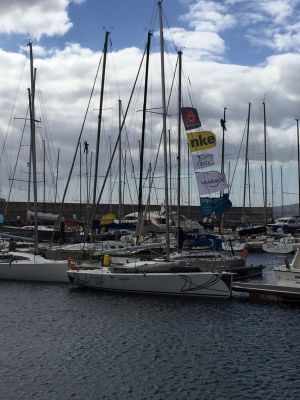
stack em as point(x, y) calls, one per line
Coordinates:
point(202, 160)
point(210, 182)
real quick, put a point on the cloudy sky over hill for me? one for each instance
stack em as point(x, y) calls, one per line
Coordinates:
point(235, 52)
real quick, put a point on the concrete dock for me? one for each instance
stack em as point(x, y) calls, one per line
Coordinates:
point(268, 292)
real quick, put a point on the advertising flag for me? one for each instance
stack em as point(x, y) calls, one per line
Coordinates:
point(201, 140)
point(217, 205)
point(210, 182)
point(202, 160)
point(190, 118)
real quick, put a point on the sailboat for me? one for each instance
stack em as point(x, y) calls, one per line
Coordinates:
point(25, 266)
point(160, 276)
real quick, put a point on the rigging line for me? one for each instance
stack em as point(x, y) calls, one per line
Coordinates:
point(13, 109)
point(48, 134)
point(155, 164)
point(131, 159)
point(47, 137)
point(77, 146)
point(153, 17)
point(235, 167)
point(16, 164)
point(129, 190)
point(118, 138)
point(170, 32)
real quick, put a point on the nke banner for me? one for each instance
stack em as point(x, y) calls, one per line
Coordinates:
point(210, 182)
point(190, 118)
point(201, 140)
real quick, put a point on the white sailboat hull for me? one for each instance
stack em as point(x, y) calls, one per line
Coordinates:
point(185, 284)
point(34, 269)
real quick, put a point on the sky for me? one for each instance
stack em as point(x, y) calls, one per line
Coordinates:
point(235, 52)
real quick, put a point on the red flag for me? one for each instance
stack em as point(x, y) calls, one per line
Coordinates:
point(190, 118)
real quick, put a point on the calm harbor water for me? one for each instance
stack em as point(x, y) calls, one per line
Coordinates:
point(61, 343)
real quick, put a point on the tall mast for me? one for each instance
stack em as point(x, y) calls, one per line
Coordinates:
point(249, 191)
point(120, 162)
point(110, 177)
point(56, 180)
point(266, 177)
point(31, 96)
point(298, 152)
point(44, 176)
point(189, 182)
point(164, 113)
point(272, 186)
point(246, 159)
point(80, 186)
point(281, 184)
point(86, 152)
point(262, 181)
point(170, 169)
point(29, 174)
point(223, 122)
point(179, 146)
point(100, 117)
point(142, 142)
point(223, 125)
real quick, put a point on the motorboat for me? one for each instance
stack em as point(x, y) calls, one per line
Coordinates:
point(289, 273)
point(288, 224)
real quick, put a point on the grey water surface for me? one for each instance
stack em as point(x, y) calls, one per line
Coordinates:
point(58, 343)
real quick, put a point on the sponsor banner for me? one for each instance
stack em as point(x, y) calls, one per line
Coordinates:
point(217, 205)
point(190, 118)
point(201, 140)
point(210, 182)
point(202, 160)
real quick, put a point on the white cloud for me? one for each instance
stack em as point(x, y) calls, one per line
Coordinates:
point(209, 16)
point(199, 45)
point(269, 23)
point(35, 17)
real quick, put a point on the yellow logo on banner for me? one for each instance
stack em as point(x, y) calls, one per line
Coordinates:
point(201, 140)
